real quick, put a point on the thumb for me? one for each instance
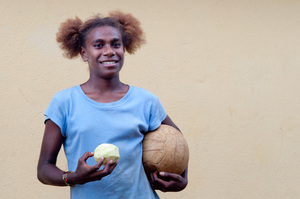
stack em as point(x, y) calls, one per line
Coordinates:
point(167, 176)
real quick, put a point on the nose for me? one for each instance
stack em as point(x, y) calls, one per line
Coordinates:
point(109, 51)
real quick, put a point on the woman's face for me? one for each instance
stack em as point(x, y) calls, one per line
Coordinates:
point(104, 52)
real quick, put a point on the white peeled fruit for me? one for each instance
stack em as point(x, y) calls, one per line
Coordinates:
point(108, 152)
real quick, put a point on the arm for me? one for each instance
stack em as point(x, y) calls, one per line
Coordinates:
point(49, 173)
point(165, 181)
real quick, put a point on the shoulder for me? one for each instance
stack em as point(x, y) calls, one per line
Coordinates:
point(65, 93)
point(143, 93)
point(64, 96)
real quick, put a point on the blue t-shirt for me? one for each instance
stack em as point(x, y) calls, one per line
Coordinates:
point(86, 123)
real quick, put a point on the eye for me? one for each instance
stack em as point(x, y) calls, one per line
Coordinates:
point(116, 44)
point(98, 45)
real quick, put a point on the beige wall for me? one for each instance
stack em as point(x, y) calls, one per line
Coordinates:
point(226, 71)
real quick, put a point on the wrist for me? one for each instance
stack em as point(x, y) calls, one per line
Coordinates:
point(68, 178)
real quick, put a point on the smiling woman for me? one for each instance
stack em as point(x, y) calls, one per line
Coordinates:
point(103, 110)
point(73, 32)
point(104, 53)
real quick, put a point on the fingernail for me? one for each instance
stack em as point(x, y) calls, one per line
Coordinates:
point(162, 173)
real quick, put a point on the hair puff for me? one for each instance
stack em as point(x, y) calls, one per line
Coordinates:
point(72, 33)
point(134, 35)
point(68, 36)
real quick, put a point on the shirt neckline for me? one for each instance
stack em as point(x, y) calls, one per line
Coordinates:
point(108, 105)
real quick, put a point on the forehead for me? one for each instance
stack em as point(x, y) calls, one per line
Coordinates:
point(104, 33)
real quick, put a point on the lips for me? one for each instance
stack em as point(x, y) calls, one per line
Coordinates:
point(108, 62)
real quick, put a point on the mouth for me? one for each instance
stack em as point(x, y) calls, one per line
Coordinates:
point(108, 62)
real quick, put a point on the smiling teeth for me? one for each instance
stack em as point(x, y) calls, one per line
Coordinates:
point(109, 62)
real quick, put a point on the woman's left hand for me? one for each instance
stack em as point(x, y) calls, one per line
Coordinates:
point(165, 181)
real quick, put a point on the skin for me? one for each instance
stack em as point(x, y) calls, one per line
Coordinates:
point(104, 53)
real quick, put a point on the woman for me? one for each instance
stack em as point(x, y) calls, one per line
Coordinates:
point(103, 110)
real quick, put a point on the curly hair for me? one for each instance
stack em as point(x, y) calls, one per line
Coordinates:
point(72, 33)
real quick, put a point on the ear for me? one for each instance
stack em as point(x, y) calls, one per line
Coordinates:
point(83, 54)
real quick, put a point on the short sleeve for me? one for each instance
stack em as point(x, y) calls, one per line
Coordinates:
point(57, 111)
point(157, 114)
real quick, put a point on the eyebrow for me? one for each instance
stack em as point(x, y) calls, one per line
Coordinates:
point(102, 41)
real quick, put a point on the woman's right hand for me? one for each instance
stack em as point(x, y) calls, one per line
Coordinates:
point(85, 173)
point(49, 173)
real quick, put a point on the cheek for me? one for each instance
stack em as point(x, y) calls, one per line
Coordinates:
point(121, 53)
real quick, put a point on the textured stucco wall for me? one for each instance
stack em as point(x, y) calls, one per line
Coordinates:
point(227, 73)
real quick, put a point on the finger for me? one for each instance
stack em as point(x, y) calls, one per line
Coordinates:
point(169, 176)
point(154, 175)
point(153, 179)
point(156, 181)
point(160, 182)
point(110, 166)
point(86, 155)
point(98, 164)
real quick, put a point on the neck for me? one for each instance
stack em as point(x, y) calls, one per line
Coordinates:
point(103, 85)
